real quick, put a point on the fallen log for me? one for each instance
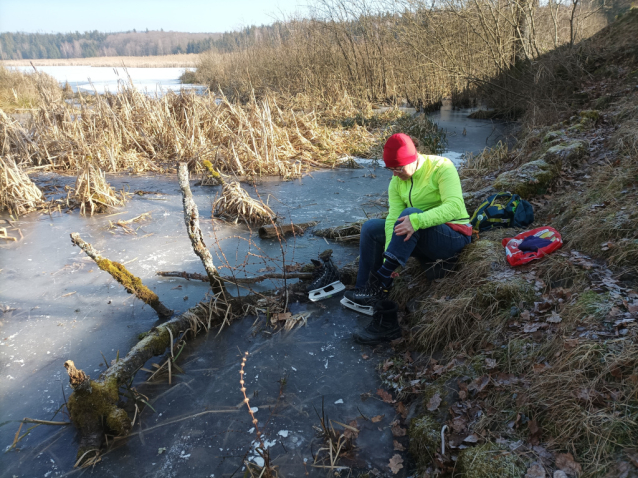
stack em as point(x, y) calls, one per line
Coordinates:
point(191, 219)
point(131, 283)
point(93, 405)
point(237, 280)
point(347, 230)
point(272, 231)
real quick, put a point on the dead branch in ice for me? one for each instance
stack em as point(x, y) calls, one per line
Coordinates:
point(131, 283)
point(191, 219)
point(93, 405)
point(237, 280)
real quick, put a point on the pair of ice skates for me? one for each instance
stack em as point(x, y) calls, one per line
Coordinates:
point(326, 283)
point(371, 300)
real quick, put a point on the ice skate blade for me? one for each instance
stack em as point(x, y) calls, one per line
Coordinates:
point(325, 292)
point(362, 309)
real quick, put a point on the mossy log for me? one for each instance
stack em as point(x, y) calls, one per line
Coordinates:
point(271, 231)
point(131, 283)
point(191, 219)
point(93, 405)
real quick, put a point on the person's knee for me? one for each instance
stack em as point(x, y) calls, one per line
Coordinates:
point(373, 228)
point(410, 210)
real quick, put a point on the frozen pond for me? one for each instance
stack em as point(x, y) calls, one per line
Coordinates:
point(57, 305)
point(100, 79)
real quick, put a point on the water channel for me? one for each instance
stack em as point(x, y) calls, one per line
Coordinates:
point(57, 305)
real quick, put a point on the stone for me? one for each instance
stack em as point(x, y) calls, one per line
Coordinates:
point(566, 153)
point(527, 180)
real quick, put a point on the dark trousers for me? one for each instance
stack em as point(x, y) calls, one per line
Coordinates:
point(427, 245)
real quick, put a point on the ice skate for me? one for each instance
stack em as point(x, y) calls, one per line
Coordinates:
point(326, 281)
point(363, 300)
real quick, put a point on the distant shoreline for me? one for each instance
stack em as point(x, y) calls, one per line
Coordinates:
point(160, 61)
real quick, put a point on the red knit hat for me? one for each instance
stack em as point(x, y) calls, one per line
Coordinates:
point(398, 151)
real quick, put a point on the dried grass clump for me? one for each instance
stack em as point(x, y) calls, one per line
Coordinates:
point(18, 194)
point(235, 204)
point(487, 161)
point(588, 398)
point(470, 305)
point(92, 192)
point(24, 91)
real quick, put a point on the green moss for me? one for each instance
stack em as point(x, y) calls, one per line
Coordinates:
point(489, 461)
point(593, 304)
point(99, 403)
point(553, 135)
point(577, 128)
point(505, 292)
point(209, 167)
point(592, 115)
point(528, 179)
point(425, 439)
point(130, 282)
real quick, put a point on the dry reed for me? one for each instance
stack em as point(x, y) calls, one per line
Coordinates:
point(235, 204)
point(131, 131)
point(92, 192)
point(18, 194)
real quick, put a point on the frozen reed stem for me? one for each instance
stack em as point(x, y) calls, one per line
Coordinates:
point(191, 219)
point(131, 283)
point(92, 190)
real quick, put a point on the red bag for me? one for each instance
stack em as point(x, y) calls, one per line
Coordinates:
point(516, 257)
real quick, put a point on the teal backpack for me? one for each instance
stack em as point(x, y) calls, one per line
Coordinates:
point(502, 210)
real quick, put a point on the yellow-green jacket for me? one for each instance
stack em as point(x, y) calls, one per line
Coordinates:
point(435, 188)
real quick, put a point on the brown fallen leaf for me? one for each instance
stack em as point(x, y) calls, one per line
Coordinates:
point(571, 343)
point(540, 367)
point(566, 463)
point(403, 411)
point(534, 431)
point(377, 419)
point(397, 431)
point(477, 385)
point(396, 463)
point(398, 446)
point(434, 402)
point(531, 327)
point(385, 396)
point(352, 431)
point(525, 315)
point(365, 357)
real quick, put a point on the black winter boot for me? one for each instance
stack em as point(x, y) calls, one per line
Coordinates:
point(384, 326)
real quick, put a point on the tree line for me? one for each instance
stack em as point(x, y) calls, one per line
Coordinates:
point(18, 46)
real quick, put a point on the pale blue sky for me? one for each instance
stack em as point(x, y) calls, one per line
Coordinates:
point(52, 16)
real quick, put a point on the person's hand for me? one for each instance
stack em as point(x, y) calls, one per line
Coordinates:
point(405, 228)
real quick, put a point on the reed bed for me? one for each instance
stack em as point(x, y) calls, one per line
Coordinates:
point(160, 61)
point(22, 91)
point(92, 192)
point(134, 132)
point(235, 204)
point(18, 194)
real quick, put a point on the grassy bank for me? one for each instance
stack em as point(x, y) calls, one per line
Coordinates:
point(534, 369)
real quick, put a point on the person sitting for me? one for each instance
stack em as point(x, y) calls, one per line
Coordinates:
point(426, 219)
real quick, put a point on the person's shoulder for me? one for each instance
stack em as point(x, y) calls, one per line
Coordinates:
point(438, 163)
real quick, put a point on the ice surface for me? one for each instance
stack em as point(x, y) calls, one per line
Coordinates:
point(101, 79)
